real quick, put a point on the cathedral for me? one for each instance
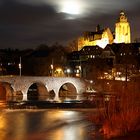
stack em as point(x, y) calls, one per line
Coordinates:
point(102, 37)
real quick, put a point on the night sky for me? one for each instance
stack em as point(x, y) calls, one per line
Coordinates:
point(28, 23)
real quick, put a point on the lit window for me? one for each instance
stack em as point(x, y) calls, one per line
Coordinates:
point(9, 64)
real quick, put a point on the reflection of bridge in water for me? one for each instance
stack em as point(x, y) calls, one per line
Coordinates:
point(56, 87)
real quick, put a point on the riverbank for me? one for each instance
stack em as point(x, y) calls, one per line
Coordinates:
point(48, 105)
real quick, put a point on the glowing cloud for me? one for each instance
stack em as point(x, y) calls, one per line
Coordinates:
point(71, 7)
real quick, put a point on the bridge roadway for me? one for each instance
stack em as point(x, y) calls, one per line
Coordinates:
point(21, 84)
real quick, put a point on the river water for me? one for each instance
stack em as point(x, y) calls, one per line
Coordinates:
point(47, 124)
point(34, 124)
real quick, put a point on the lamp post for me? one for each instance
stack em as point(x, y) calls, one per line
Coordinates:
point(68, 71)
point(52, 67)
point(80, 69)
point(19, 66)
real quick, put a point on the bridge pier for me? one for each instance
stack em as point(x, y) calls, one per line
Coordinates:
point(56, 98)
point(24, 97)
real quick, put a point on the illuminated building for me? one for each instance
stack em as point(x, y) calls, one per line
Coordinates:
point(102, 37)
point(122, 30)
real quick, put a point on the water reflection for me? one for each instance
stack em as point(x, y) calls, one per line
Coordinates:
point(71, 132)
point(2, 104)
point(42, 125)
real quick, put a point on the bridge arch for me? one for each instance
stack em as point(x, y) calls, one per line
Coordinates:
point(6, 90)
point(67, 91)
point(21, 84)
point(37, 90)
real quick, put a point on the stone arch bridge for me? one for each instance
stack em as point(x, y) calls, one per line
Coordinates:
point(21, 84)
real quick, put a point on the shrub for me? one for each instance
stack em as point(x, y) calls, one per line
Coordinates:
point(122, 114)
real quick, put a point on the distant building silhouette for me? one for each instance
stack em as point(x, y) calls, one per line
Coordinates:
point(112, 61)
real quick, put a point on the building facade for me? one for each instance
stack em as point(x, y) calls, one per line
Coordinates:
point(115, 61)
point(99, 37)
point(122, 30)
point(102, 37)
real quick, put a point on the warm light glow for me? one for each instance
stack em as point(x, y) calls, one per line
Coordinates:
point(19, 65)
point(77, 75)
point(51, 66)
point(122, 30)
point(103, 42)
point(59, 72)
point(68, 70)
point(123, 78)
point(77, 71)
point(91, 81)
point(101, 39)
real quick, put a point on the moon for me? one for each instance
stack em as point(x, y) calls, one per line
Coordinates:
point(71, 7)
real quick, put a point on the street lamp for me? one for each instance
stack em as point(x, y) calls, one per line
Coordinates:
point(80, 69)
point(68, 71)
point(52, 69)
point(19, 65)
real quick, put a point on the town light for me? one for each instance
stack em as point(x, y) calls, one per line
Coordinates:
point(59, 72)
point(52, 69)
point(68, 71)
point(91, 81)
point(51, 66)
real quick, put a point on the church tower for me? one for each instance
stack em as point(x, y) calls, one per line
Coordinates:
point(122, 30)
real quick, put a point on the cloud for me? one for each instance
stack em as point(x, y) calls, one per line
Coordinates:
point(23, 25)
point(27, 23)
point(13, 12)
